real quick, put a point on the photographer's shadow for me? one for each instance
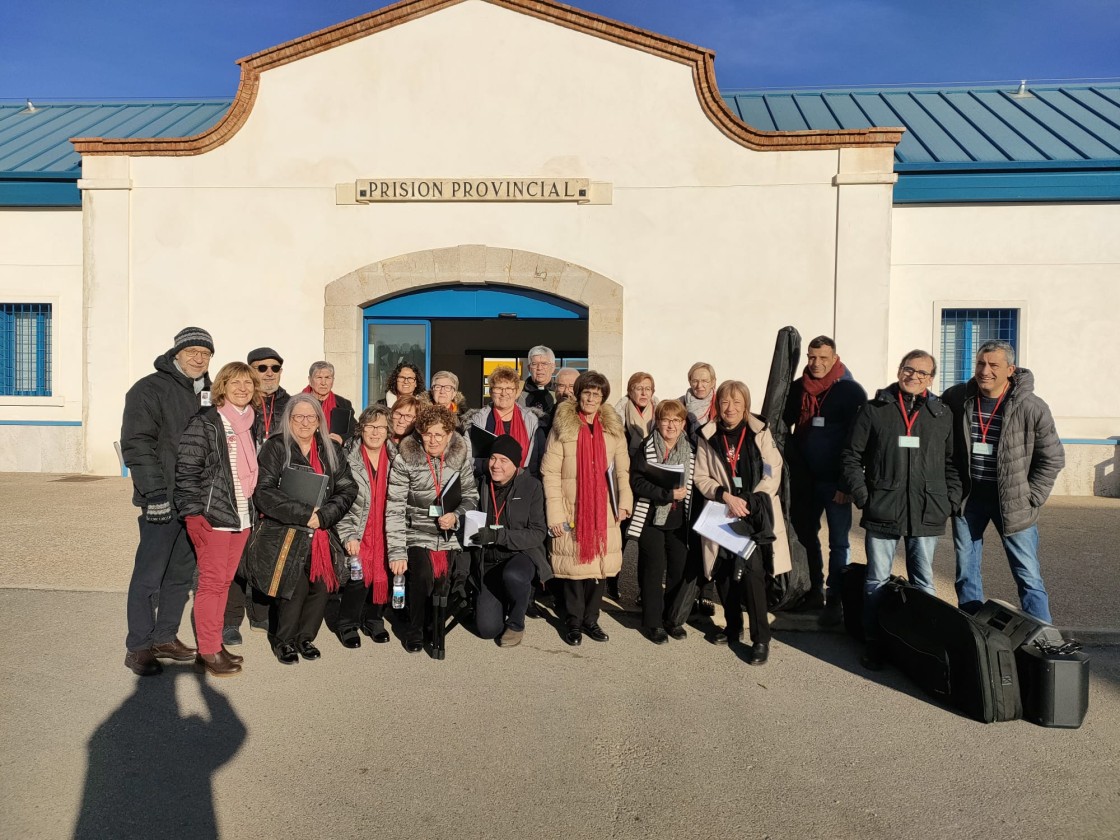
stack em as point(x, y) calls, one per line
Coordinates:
point(150, 766)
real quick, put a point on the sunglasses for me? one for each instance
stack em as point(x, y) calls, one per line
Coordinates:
point(267, 368)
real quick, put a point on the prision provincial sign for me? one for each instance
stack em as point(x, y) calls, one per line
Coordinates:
point(371, 190)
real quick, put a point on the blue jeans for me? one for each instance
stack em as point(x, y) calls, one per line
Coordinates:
point(808, 505)
point(1021, 550)
point(880, 558)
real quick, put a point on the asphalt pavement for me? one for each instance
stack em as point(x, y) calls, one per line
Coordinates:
point(624, 739)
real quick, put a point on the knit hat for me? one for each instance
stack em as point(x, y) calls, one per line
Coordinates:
point(508, 446)
point(264, 353)
point(192, 337)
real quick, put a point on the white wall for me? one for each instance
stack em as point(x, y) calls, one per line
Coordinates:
point(1060, 262)
point(41, 262)
point(716, 246)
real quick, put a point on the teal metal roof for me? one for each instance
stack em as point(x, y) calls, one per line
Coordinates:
point(962, 144)
point(38, 165)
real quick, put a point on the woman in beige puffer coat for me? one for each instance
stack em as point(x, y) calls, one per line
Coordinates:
point(583, 573)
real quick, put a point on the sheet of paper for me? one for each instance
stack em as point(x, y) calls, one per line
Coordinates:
point(715, 524)
point(474, 520)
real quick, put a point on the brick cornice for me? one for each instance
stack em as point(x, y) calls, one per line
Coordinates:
point(701, 61)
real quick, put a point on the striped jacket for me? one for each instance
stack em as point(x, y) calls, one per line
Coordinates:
point(648, 495)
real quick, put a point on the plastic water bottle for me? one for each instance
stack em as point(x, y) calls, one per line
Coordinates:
point(398, 592)
point(355, 568)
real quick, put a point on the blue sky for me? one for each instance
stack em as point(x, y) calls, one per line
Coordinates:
point(69, 49)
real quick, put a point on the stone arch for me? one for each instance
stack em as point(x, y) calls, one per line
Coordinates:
point(345, 298)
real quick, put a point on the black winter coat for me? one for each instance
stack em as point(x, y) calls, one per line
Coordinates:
point(280, 510)
point(901, 491)
point(156, 411)
point(204, 476)
point(273, 409)
point(814, 451)
point(524, 525)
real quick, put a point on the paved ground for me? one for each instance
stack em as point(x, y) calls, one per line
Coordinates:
point(625, 739)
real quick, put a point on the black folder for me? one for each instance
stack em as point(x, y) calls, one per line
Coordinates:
point(612, 490)
point(304, 485)
point(451, 496)
point(481, 441)
point(341, 422)
point(669, 476)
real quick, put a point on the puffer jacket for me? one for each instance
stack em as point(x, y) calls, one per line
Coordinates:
point(902, 492)
point(353, 524)
point(558, 473)
point(280, 510)
point(1029, 455)
point(204, 475)
point(156, 411)
point(713, 478)
point(412, 491)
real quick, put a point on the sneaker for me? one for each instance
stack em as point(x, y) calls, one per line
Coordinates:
point(231, 636)
point(511, 637)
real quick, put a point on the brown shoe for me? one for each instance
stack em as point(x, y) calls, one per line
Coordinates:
point(235, 658)
point(174, 650)
point(216, 665)
point(142, 663)
point(511, 637)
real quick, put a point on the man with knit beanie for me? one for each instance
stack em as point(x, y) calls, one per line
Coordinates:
point(156, 411)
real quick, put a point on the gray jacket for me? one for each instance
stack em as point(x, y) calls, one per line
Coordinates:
point(353, 524)
point(412, 492)
point(1029, 455)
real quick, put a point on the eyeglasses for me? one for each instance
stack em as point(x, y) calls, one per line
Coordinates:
point(370, 427)
point(267, 368)
point(502, 390)
point(406, 378)
point(435, 437)
point(443, 387)
point(919, 374)
point(591, 395)
point(305, 419)
point(400, 415)
point(643, 389)
point(196, 352)
point(541, 364)
point(672, 421)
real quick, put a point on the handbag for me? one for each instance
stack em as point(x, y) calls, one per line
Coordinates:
point(277, 556)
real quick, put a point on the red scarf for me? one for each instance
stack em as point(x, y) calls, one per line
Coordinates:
point(814, 391)
point(591, 490)
point(322, 567)
point(372, 552)
point(439, 564)
point(517, 431)
point(328, 405)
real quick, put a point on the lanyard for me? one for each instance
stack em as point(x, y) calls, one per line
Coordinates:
point(980, 415)
point(733, 456)
point(267, 415)
point(494, 506)
point(910, 421)
point(437, 483)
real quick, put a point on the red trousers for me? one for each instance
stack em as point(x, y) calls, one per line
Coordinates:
point(218, 554)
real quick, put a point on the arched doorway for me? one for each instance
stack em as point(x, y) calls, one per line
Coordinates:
point(479, 266)
point(468, 330)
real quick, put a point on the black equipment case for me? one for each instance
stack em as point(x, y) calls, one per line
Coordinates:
point(949, 653)
point(1055, 681)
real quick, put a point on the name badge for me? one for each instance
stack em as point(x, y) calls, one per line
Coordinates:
point(907, 441)
point(983, 449)
point(818, 422)
point(767, 471)
point(496, 527)
point(435, 511)
point(737, 483)
point(204, 398)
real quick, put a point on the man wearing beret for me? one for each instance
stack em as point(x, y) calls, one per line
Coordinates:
point(267, 362)
point(156, 410)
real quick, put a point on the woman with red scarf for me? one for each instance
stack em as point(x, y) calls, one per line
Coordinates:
point(338, 412)
point(505, 417)
point(586, 450)
point(215, 476)
point(304, 444)
point(362, 531)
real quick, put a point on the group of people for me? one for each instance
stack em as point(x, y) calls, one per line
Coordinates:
point(287, 504)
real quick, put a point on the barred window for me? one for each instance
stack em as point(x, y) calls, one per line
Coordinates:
point(25, 349)
point(964, 330)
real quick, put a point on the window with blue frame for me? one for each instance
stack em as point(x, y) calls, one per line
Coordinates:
point(964, 330)
point(25, 349)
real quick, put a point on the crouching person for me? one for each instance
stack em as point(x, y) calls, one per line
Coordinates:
point(512, 544)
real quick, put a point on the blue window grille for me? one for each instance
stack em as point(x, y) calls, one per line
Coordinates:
point(25, 349)
point(964, 330)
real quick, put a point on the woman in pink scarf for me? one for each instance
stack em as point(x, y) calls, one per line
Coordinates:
point(215, 475)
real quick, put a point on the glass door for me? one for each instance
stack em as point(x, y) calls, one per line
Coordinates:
point(389, 342)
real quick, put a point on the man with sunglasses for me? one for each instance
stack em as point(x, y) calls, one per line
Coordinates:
point(156, 411)
point(267, 362)
point(898, 468)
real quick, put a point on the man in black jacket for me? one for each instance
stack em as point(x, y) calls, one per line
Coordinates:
point(156, 411)
point(538, 384)
point(269, 365)
point(898, 468)
point(821, 407)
